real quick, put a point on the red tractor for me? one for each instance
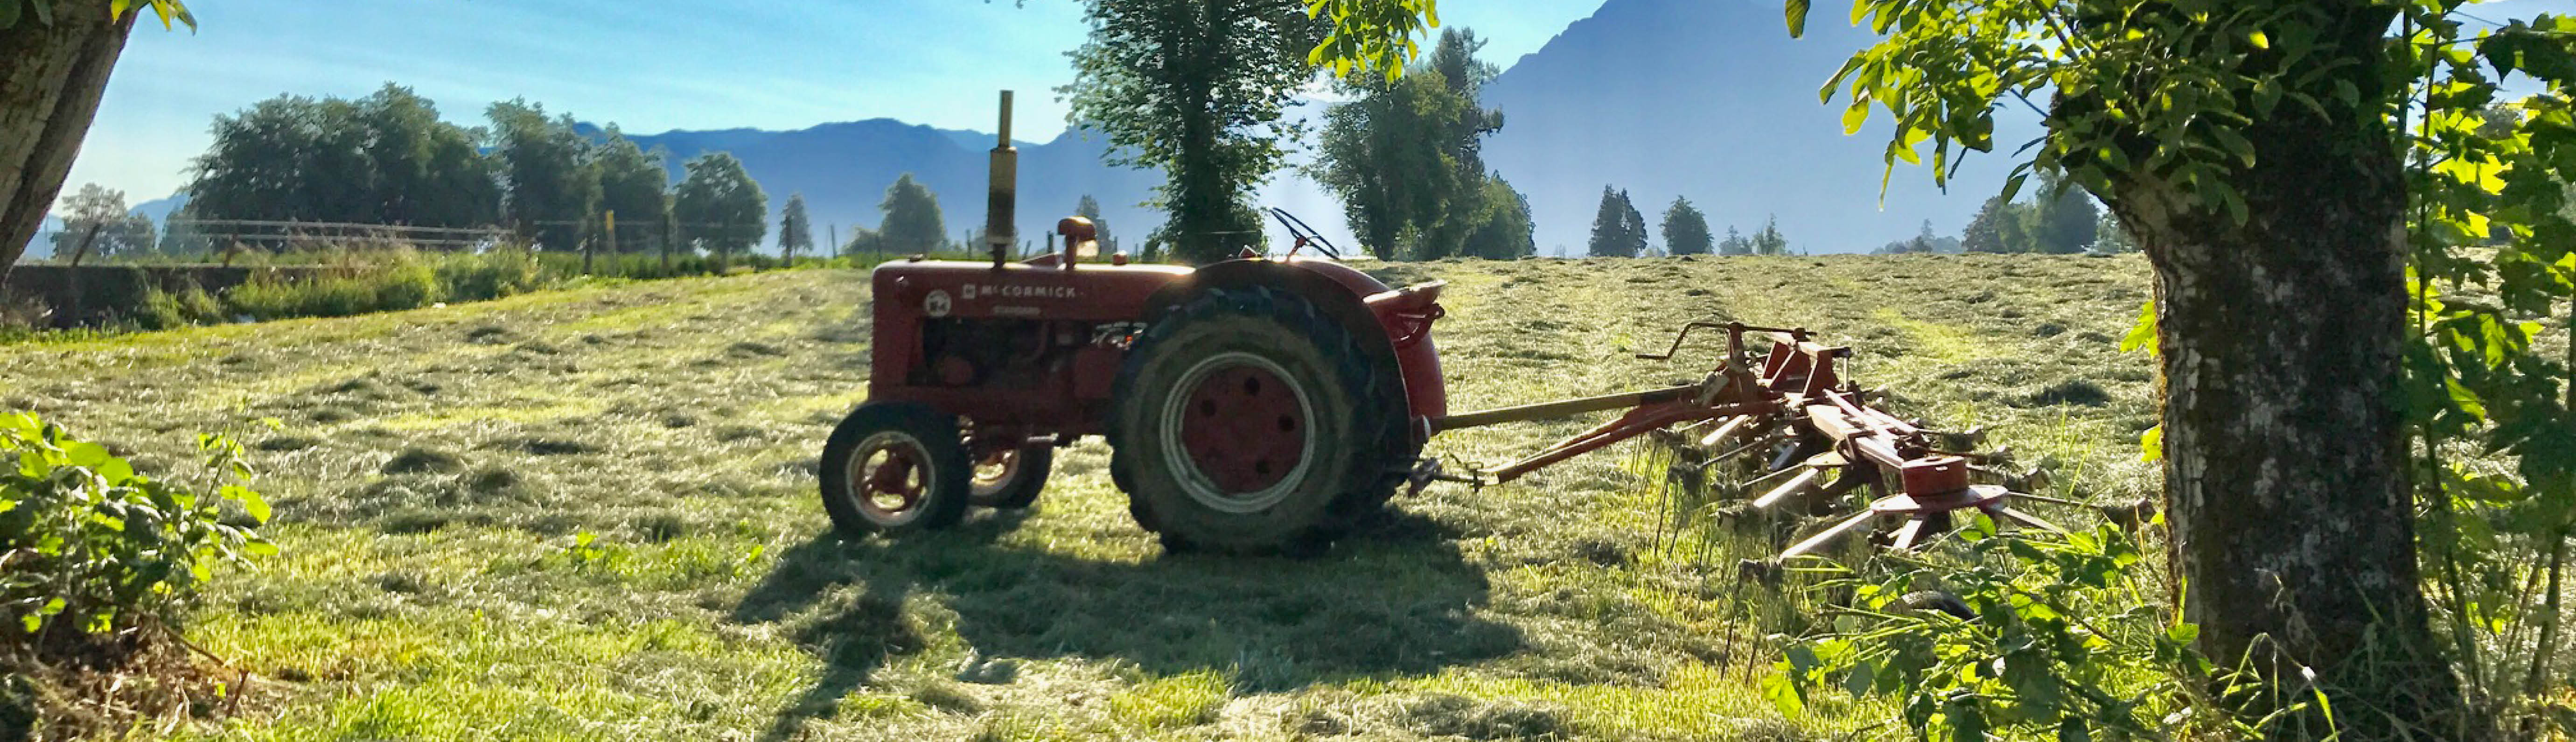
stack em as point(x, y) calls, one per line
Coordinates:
point(1251, 403)
point(1256, 403)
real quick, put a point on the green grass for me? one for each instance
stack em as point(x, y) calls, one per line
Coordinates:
point(454, 595)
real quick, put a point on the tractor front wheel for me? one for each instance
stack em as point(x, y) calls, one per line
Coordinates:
point(895, 468)
point(1010, 478)
point(1246, 420)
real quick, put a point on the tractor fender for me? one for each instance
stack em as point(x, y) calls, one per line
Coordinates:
point(1342, 293)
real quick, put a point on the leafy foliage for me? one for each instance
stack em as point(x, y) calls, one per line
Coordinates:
point(13, 11)
point(795, 228)
point(94, 550)
point(2495, 412)
point(1615, 233)
point(1196, 88)
point(2040, 636)
point(383, 159)
point(118, 233)
point(1769, 241)
point(554, 187)
point(912, 222)
point(1735, 243)
point(1504, 230)
point(1686, 229)
point(1404, 157)
point(723, 211)
point(632, 184)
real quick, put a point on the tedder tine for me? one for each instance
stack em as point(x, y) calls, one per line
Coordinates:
point(1906, 534)
point(1726, 430)
point(2028, 519)
point(1818, 541)
point(1794, 486)
point(1767, 478)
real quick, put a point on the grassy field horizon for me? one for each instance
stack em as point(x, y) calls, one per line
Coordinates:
point(590, 514)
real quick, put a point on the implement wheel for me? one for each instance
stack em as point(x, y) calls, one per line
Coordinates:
point(895, 468)
point(1246, 420)
point(1010, 478)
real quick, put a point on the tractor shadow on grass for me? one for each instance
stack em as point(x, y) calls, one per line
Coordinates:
point(1398, 600)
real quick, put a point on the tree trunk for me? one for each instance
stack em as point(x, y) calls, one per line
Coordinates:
point(49, 90)
point(2286, 471)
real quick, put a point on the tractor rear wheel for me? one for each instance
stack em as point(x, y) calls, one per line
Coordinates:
point(1247, 420)
point(895, 468)
point(1010, 478)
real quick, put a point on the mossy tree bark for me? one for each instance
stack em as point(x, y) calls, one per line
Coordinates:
point(2285, 442)
point(49, 90)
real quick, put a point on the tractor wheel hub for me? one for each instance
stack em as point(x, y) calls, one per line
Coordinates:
point(1243, 430)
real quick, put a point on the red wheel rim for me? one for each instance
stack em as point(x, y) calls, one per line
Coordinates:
point(1244, 428)
point(889, 477)
point(995, 470)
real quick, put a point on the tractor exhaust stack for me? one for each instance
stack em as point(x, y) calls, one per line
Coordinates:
point(1001, 207)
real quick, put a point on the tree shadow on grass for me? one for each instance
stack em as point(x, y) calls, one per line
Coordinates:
point(1398, 601)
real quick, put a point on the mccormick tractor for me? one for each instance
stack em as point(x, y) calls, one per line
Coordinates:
point(1257, 404)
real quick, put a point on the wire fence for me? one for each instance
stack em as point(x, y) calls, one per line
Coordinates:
point(221, 240)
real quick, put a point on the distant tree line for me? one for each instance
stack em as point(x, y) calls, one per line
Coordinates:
point(389, 158)
point(1405, 159)
point(97, 223)
point(2057, 220)
point(1926, 241)
point(1619, 231)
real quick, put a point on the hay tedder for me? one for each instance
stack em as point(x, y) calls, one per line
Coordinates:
point(1261, 404)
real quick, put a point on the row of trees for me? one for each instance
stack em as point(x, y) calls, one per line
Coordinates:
point(1405, 160)
point(2057, 220)
point(96, 220)
point(1619, 231)
point(389, 158)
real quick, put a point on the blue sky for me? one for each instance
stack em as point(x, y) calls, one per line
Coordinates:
point(648, 65)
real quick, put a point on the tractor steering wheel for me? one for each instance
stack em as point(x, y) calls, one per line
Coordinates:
point(1305, 234)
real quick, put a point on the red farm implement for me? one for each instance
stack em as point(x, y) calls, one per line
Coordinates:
point(1260, 403)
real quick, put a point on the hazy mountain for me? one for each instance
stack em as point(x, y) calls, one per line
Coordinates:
point(843, 170)
point(42, 245)
point(161, 208)
point(1712, 100)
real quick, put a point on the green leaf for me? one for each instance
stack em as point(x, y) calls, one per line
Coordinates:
point(87, 454)
point(1797, 11)
point(1854, 116)
point(2142, 335)
point(252, 503)
point(2151, 444)
point(8, 19)
point(31, 622)
point(1967, 721)
point(1783, 694)
point(1864, 675)
point(45, 10)
point(2182, 633)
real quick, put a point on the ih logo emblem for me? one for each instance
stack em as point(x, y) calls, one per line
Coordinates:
point(936, 305)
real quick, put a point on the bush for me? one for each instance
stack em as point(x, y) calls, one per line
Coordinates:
point(97, 566)
point(408, 285)
point(161, 310)
point(202, 306)
point(490, 275)
point(92, 548)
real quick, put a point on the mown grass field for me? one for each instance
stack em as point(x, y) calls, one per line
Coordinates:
point(590, 514)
